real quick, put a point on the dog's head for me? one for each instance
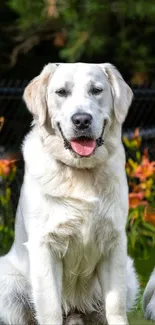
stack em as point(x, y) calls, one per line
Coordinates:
point(78, 104)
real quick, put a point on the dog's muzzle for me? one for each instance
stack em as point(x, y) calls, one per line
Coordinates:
point(83, 146)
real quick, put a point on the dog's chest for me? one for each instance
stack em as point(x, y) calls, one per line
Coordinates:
point(80, 265)
point(79, 227)
point(81, 233)
point(82, 256)
point(86, 248)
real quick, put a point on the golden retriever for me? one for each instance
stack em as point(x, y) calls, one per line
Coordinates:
point(69, 256)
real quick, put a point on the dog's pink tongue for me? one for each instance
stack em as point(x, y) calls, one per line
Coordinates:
point(83, 147)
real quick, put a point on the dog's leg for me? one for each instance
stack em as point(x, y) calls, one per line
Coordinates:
point(46, 281)
point(14, 295)
point(149, 298)
point(132, 289)
point(112, 277)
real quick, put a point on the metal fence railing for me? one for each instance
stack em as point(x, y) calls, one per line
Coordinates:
point(18, 119)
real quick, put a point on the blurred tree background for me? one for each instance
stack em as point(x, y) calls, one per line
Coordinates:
point(36, 32)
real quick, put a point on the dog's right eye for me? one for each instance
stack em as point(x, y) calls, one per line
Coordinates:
point(62, 92)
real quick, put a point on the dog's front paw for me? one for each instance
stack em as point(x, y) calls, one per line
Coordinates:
point(75, 319)
point(149, 308)
point(149, 299)
point(149, 312)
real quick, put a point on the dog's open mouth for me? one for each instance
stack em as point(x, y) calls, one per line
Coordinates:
point(82, 146)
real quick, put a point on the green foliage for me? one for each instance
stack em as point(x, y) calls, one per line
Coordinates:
point(31, 13)
point(141, 235)
point(116, 31)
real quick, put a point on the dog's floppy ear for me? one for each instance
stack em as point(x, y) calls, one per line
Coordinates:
point(35, 93)
point(122, 93)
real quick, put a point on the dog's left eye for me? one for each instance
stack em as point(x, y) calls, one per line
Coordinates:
point(62, 92)
point(96, 90)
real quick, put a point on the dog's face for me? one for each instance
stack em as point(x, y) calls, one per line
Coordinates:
point(79, 101)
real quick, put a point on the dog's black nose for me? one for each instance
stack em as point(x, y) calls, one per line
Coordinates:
point(82, 120)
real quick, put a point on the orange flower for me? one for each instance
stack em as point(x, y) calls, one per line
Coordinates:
point(145, 186)
point(6, 166)
point(146, 168)
point(149, 215)
point(136, 199)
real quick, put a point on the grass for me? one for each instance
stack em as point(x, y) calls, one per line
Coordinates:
point(136, 317)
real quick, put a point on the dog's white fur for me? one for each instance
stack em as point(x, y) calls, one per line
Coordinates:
point(149, 298)
point(69, 250)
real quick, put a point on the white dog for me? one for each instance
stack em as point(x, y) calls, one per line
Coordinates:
point(149, 298)
point(69, 251)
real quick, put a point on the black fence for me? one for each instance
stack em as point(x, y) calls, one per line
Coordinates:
point(18, 120)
